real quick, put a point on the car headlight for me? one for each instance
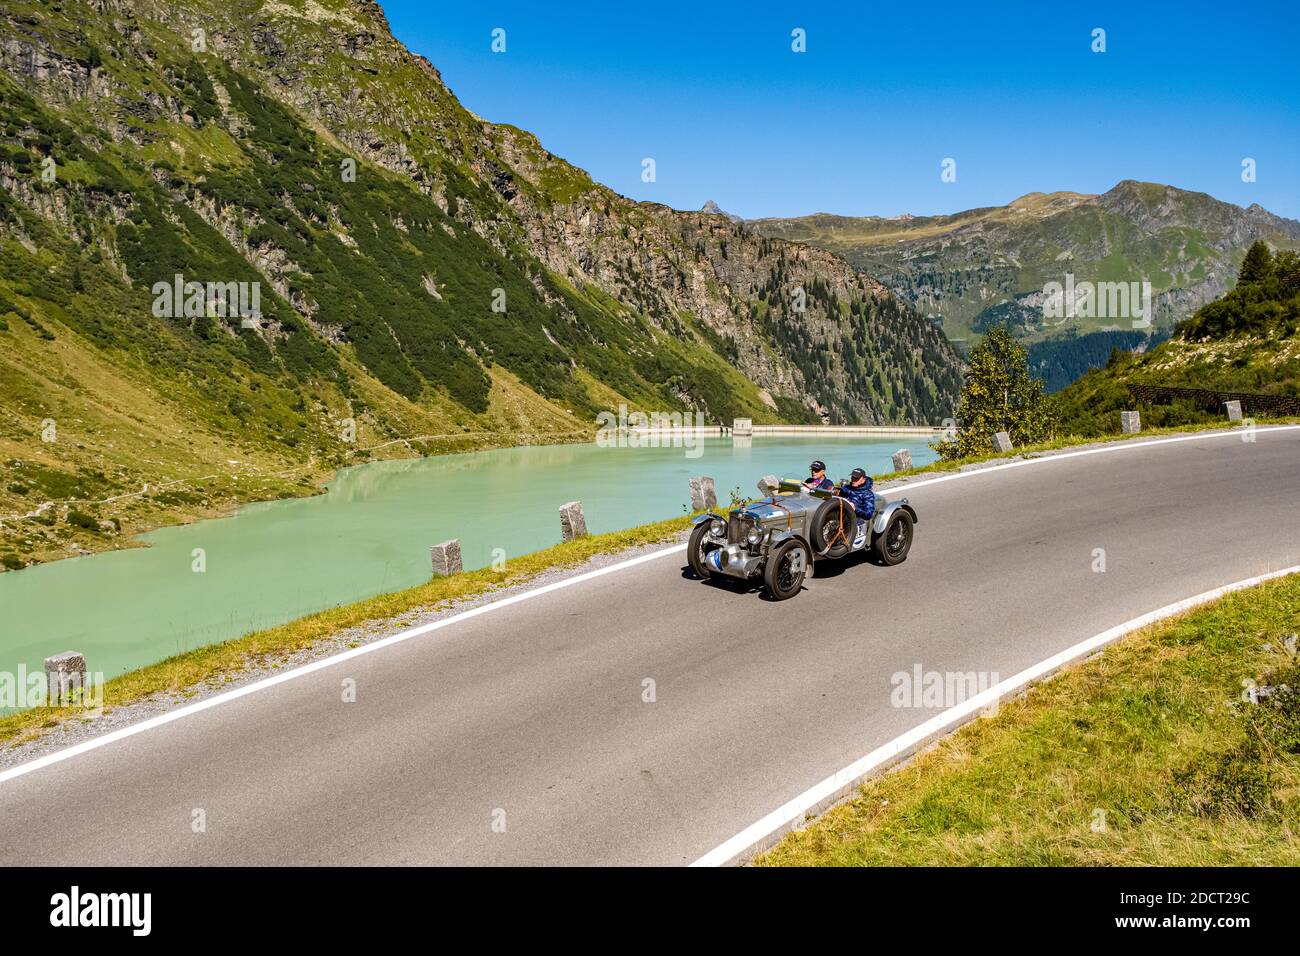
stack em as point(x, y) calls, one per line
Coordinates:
point(754, 536)
point(717, 528)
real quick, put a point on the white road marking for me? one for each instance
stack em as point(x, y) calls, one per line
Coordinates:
point(739, 847)
point(1061, 456)
point(227, 696)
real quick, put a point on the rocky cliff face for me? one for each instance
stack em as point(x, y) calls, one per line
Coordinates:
point(797, 321)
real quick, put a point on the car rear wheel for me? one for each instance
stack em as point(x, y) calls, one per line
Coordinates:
point(785, 570)
point(892, 544)
point(701, 543)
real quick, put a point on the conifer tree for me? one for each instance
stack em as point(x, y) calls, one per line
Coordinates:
point(999, 395)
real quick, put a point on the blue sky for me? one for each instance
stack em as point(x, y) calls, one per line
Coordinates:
point(861, 123)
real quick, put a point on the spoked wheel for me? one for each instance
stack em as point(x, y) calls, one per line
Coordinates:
point(785, 570)
point(833, 528)
point(703, 540)
point(830, 531)
point(895, 541)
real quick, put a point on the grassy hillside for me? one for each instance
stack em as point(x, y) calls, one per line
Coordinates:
point(137, 399)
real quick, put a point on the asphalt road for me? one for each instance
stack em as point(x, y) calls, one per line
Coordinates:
point(537, 709)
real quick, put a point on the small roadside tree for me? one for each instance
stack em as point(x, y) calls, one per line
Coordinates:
point(1257, 266)
point(999, 395)
point(1286, 270)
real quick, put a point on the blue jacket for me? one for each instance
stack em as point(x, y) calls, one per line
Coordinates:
point(863, 498)
point(813, 485)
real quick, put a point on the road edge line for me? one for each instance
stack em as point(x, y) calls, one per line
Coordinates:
point(767, 831)
point(1115, 446)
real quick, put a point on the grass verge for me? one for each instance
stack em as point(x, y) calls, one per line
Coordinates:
point(1151, 753)
point(182, 673)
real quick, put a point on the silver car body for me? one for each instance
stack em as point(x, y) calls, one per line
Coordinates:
point(746, 535)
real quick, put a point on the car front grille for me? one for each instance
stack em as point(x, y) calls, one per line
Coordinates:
point(737, 529)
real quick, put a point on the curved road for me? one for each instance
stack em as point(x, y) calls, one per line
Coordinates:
point(536, 709)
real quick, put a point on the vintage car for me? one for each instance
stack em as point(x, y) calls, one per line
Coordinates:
point(778, 538)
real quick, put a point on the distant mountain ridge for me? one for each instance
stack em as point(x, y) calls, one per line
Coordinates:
point(981, 266)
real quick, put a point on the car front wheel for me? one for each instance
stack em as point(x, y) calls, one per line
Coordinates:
point(786, 566)
point(702, 542)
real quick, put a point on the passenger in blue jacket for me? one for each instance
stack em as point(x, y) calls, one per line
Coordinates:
point(858, 491)
point(817, 480)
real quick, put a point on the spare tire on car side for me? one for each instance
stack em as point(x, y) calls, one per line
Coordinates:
point(835, 524)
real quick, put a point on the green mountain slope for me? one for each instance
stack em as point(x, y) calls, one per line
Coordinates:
point(1245, 341)
point(985, 266)
point(428, 281)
